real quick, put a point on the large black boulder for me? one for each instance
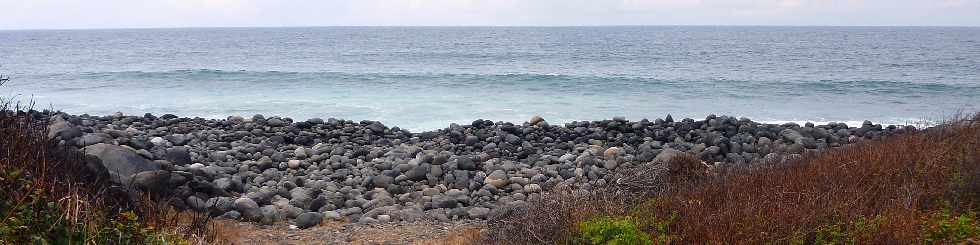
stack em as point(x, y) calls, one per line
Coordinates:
point(119, 163)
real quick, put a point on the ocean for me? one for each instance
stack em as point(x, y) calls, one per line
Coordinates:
point(424, 78)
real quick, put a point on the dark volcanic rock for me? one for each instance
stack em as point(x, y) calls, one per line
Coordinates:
point(178, 155)
point(265, 170)
point(309, 219)
point(118, 162)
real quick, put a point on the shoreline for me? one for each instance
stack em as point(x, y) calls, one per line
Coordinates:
point(273, 169)
point(912, 121)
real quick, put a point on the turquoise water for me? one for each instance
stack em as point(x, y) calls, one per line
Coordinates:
point(427, 77)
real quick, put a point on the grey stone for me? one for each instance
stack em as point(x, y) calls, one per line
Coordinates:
point(232, 215)
point(301, 153)
point(497, 178)
point(249, 208)
point(465, 163)
point(367, 220)
point(178, 155)
point(332, 215)
point(307, 220)
point(382, 181)
point(270, 215)
point(178, 139)
point(197, 203)
point(275, 122)
point(91, 139)
point(478, 212)
point(300, 197)
point(417, 173)
point(227, 184)
point(155, 180)
point(120, 163)
point(471, 140)
point(792, 136)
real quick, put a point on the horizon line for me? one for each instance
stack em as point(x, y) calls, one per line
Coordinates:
point(458, 26)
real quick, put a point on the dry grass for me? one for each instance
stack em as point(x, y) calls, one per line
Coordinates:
point(884, 191)
point(550, 218)
point(900, 180)
point(466, 236)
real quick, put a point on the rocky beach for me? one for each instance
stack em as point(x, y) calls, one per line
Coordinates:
point(273, 169)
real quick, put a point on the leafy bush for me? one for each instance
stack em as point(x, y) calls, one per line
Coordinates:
point(612, 231)
point(842, 232)
point(948, 228)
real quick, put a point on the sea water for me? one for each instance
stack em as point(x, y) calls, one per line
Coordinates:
point(424, 78)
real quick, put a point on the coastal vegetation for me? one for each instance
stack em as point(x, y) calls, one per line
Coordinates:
point(920, 186)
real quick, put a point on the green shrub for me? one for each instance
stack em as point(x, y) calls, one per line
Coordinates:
point(36, 219)
point(612, 231)
point(840, 232)
point(947, 228)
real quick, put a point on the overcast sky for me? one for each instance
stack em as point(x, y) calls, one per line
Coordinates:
point(70, 14)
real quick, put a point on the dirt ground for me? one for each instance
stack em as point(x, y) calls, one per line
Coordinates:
point(336, 232)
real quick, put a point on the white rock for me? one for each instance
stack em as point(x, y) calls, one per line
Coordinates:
point(611, 152)
point(158, 141)
point(332, 215)
point(536, 119)
point(293, 164)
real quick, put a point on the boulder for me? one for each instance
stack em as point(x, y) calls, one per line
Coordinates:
point(792, 136)
point(178, 139)
point(118, 162)
point(158, 141)
point(536, 119)
point(228, 184)
point(270, 215)
point(417, 173)
point(275, 122)
point(294, 164)
point(309, 219)
point(382, 181)
point(498, 179)
point(91, 139)
point(178, 155)
point(196, 203)
point(478, 212)
point(611, 153)
point(249, 208)
point(465, 163)
point(156, 180)
point(471, 140)
point(61, 128)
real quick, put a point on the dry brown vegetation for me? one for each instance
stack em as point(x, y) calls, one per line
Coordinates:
point(553, 216)
point(919, 186)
